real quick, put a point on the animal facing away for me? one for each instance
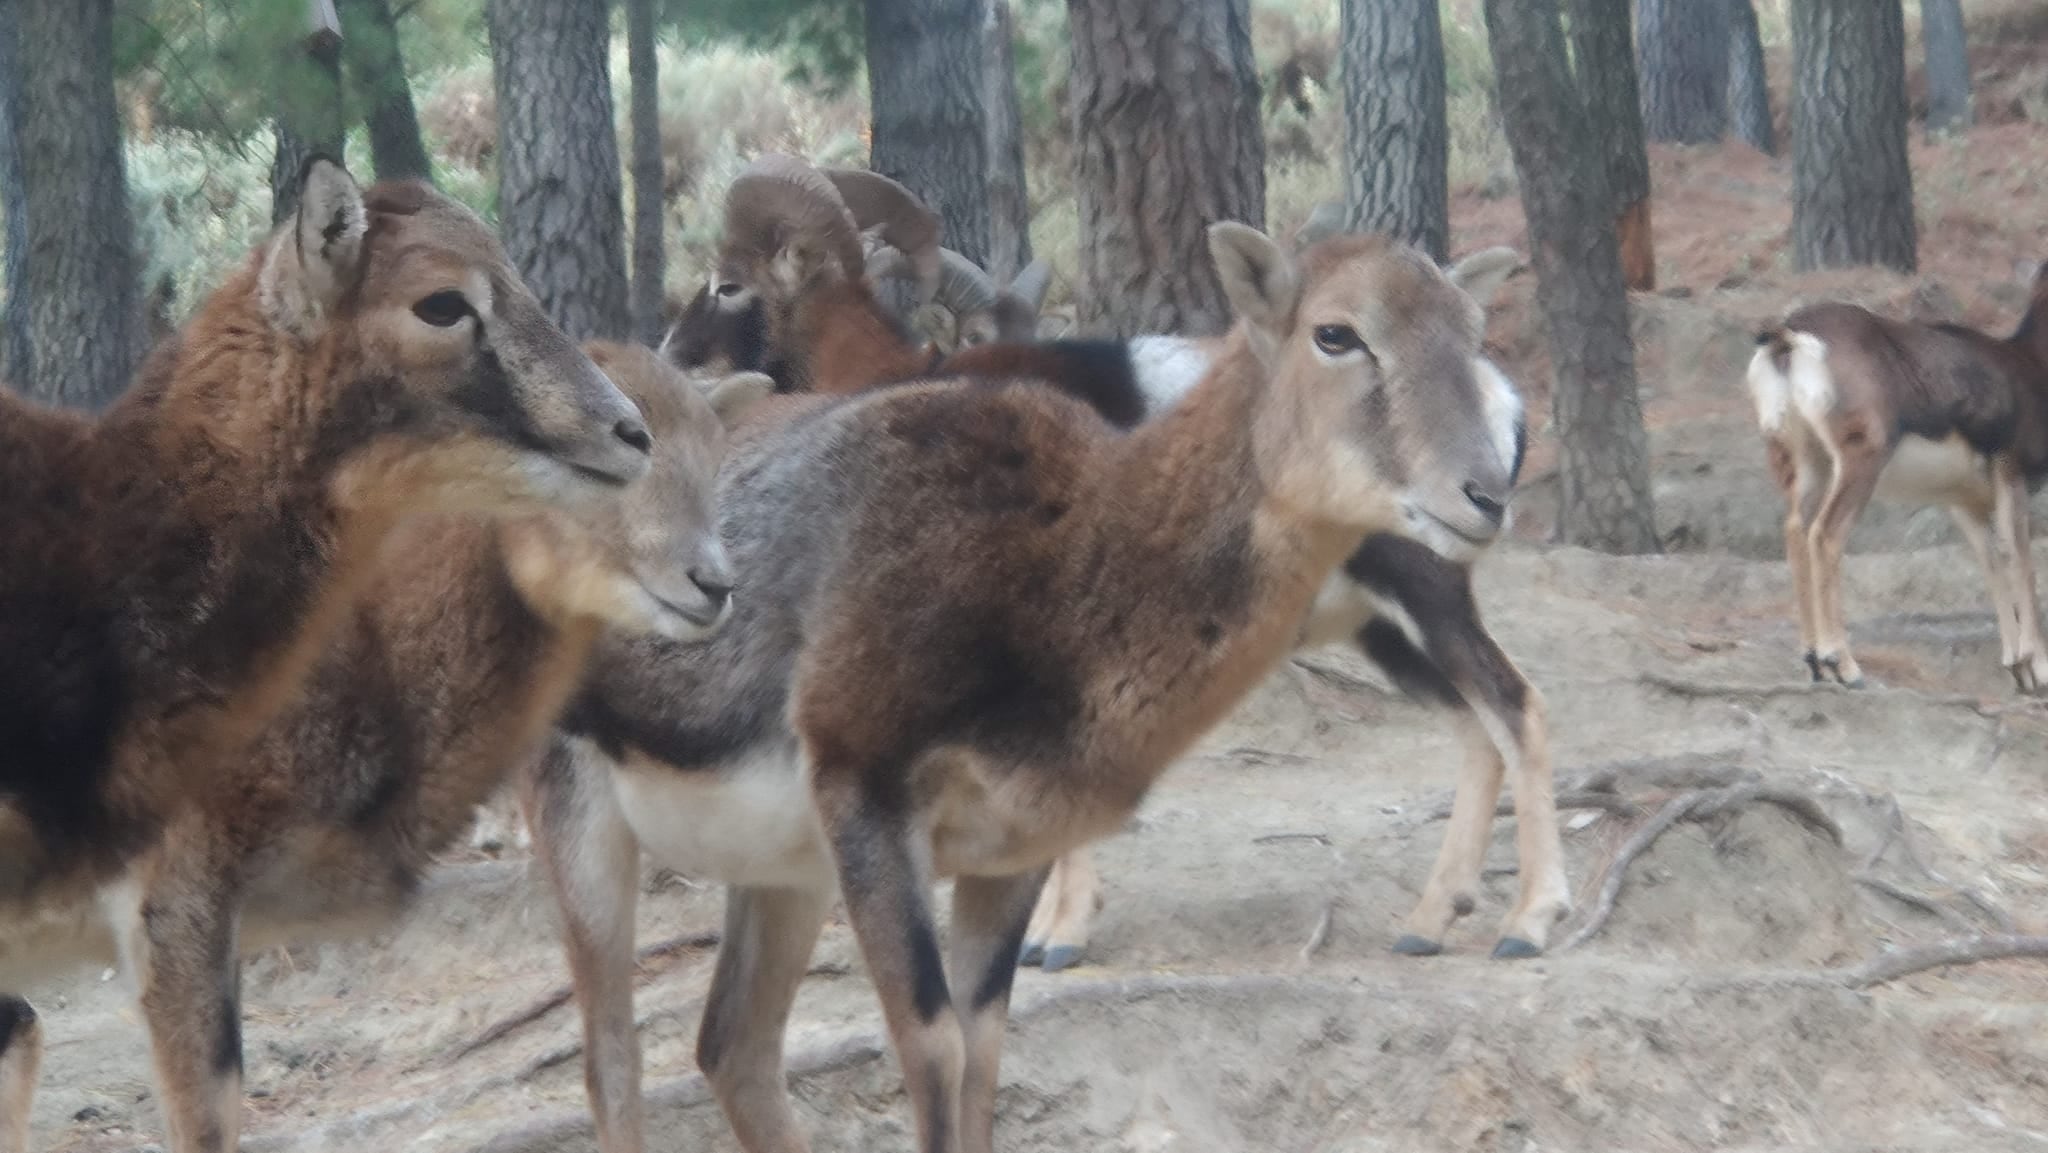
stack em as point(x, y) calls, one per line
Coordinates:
point(1853, 405)
point(980, 623)
point(467, 642)
point(176, 567)
point(1407, 604)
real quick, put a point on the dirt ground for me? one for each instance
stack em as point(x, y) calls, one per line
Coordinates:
point(1702, 1017)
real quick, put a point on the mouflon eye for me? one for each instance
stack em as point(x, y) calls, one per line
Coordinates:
point(1337, 339)
point(730, 288)
point(443, 309)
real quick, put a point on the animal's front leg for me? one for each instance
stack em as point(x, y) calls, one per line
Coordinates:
point(21, 1051)
point(2030, 658)
point(179, 941)
point(884, 883)
point(769, 935)
point(989, 916)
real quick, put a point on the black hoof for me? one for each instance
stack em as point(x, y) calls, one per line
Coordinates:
point(1032, 954)
point(1062, 957)
point(1515, 949)
point(1813, 667)
point(1411, 945)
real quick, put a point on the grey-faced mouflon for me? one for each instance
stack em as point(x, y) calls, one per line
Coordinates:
point(1853, 405)
point(175, 568)
point(1407, 606)
point(980, 623)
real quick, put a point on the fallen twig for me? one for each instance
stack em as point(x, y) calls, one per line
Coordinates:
point(1955, 951)
point(1335, 677)
point(1911, 899)
point(559, 996)
point(1320, 933)
point(1897, 831)
point(1674, 810)
point(1322, 839)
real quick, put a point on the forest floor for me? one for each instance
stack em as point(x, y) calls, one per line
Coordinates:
point(1240, 994)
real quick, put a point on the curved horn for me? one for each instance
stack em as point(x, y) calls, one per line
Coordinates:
point(1030, 284)
point(1326, 221)
point(888, 263)
point(906, 224)
point(776, 201)
point(963, 287)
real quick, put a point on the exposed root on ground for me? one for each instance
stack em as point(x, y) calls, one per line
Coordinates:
point(1897, 963)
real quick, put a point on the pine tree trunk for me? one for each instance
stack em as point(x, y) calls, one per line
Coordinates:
point(1852, 190)
point(1604, 478)
point(1167, 139)
point(1395, 136)
point(559, 205)
point(370, 43)
point(1684, 47)
point(1948, 65)
point(1009, 196)
point(925, 87)
point(645, 73)
point(1605, 51)
point(74, 293)
point(310, 118)
point(15, 366)
point(1749, 89)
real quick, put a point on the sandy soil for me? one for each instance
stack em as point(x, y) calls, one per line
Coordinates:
point(1701, 1018)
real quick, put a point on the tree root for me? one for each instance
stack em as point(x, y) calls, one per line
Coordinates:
point(559, 996)
point(1697, 804)
point(1899, 963)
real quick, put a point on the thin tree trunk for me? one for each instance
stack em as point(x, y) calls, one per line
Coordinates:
point(559, 205)
point(925, 86)
point(1395, 135)
point(1852, 189)
point(1948, 65)
point(1009, 196)
point(1749, 89)
point(1605, 51)
point(370, 43)
point(311, 118)
point(1604, 477)
point(645, 74)
point(15, 365)
point(1167, 136)
point(76, 286)
point(1684, 46)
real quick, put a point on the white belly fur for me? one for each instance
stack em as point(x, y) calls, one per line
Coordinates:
point(1947, 471)
point(750, 823)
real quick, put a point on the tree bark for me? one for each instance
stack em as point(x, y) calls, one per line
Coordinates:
point(1852, 189)
point(15, 365)
point(1604, 478)
point(1009, 195)
point(1684, 48)
point(74, 293)
point(1167, 137)
point(645, 73)
point(370, 44)
point(925, 87)
point(559, 205)
point(1605, 51)
point(1948, 65)
point(1749, 89)
point(1395, 136)
point(310, 117)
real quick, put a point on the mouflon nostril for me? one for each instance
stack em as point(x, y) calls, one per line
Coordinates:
point(715, 585)
point(1488, 507)
point(635, 434)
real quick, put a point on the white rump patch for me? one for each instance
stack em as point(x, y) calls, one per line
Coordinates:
point(1769, 391)
point(1813, 386)
point(1167, 368)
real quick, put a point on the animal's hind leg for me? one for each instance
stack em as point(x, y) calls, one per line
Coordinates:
point(1859, 459)
point(179, 941)
point(592, 860)
point(769, 935)
point(1975, 523)
point(1067, 904)
point(884, 882)
point(989, 915)
point(21, 1052)
point(1796, 473)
